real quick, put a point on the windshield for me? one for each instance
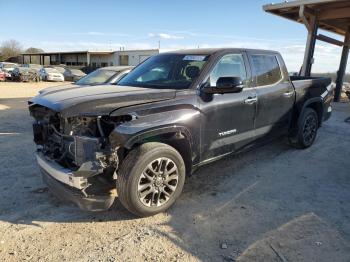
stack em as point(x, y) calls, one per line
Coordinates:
point(166, 71)
point(60, 69)
point(9, 65)
point(35, 66)
point(23, 69)
point(76, 72)
point(51, 70)
point(99, 76)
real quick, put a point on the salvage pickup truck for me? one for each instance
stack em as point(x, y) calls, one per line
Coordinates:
point(138, 139)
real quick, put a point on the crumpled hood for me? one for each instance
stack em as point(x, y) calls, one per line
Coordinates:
point(98, 100)
point(58, 88)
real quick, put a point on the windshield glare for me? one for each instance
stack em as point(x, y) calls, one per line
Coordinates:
point(9, 65)
point(172, 71)
point(99, 76)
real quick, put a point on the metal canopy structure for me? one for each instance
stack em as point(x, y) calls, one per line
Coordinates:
point(59, 55)
point(329, 15)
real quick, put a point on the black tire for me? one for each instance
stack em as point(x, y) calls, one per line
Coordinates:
point(132, 171)
point(306, 132)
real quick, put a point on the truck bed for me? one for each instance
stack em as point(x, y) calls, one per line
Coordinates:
point(312, 88)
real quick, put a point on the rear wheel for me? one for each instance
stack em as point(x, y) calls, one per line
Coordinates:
point(150, 179)
point(307, 129)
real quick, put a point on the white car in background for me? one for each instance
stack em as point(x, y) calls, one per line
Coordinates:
point(101, 76)
point(104, 75)
point(7, 68)
point(50, 74)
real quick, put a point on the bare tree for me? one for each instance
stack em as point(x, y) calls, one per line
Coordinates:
point(33, 50)
point(10, 48)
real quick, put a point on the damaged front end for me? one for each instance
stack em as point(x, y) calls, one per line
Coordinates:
point(75, 156)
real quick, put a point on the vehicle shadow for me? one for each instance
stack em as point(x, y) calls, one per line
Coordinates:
point(271, 204)
point(260, 205)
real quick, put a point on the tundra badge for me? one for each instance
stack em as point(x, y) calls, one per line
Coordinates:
point(229, 132)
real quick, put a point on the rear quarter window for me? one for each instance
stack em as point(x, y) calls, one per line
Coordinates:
point(266, 69)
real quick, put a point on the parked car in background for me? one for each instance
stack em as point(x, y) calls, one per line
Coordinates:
point(2, 76)
point(73, 74)
point(105, 75)
point(7, 68)
point(24, 74)
point(50, 74)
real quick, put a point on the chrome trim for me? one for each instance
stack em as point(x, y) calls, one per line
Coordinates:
point(324, 94)
point(61, 174)
point(250, 101)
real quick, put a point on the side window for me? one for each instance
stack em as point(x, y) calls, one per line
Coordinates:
point(266, 69)
point(231, 65)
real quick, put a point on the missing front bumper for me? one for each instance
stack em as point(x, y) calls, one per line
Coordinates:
point(67, 185)
point(61, 174)
point(91, 203)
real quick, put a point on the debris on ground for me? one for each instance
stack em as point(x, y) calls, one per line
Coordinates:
point(223, 246)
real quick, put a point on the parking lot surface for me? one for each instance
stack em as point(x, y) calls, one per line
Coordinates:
point(275, 203)
point(22, 89)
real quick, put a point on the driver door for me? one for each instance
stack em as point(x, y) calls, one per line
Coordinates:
point(227, 122)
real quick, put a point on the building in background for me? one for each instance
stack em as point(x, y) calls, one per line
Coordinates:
point(92, 59)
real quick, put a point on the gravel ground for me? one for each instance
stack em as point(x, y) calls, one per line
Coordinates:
point(17, 90)
point(271, 204)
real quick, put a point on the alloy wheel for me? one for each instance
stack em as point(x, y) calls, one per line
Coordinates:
point(310, 129)
point(158, 182)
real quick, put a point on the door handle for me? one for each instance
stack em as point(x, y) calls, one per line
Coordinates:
point(250, 100)
point(289, 94)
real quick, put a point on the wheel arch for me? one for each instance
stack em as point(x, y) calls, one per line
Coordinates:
point(178, 137)
point(317, 105)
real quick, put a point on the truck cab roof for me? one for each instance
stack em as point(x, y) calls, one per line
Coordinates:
point(210, 51)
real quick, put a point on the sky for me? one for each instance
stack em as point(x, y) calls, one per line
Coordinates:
point(103, 25)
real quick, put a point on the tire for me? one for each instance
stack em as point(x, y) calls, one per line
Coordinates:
point(306, 132)
point(137, 177)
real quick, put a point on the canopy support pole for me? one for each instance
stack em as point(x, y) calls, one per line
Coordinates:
point(342, 67)
point(312, 28)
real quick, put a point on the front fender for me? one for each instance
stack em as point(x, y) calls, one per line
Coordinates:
point(185, 121)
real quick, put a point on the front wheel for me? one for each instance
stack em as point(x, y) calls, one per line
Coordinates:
point(150, 179)
point(307, 129)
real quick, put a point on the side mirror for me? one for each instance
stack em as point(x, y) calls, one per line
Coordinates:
point(225, 85)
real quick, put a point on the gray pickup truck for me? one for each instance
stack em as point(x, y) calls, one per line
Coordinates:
point(138, 139)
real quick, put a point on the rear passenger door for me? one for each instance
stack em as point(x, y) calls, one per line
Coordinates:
point(275, 94)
